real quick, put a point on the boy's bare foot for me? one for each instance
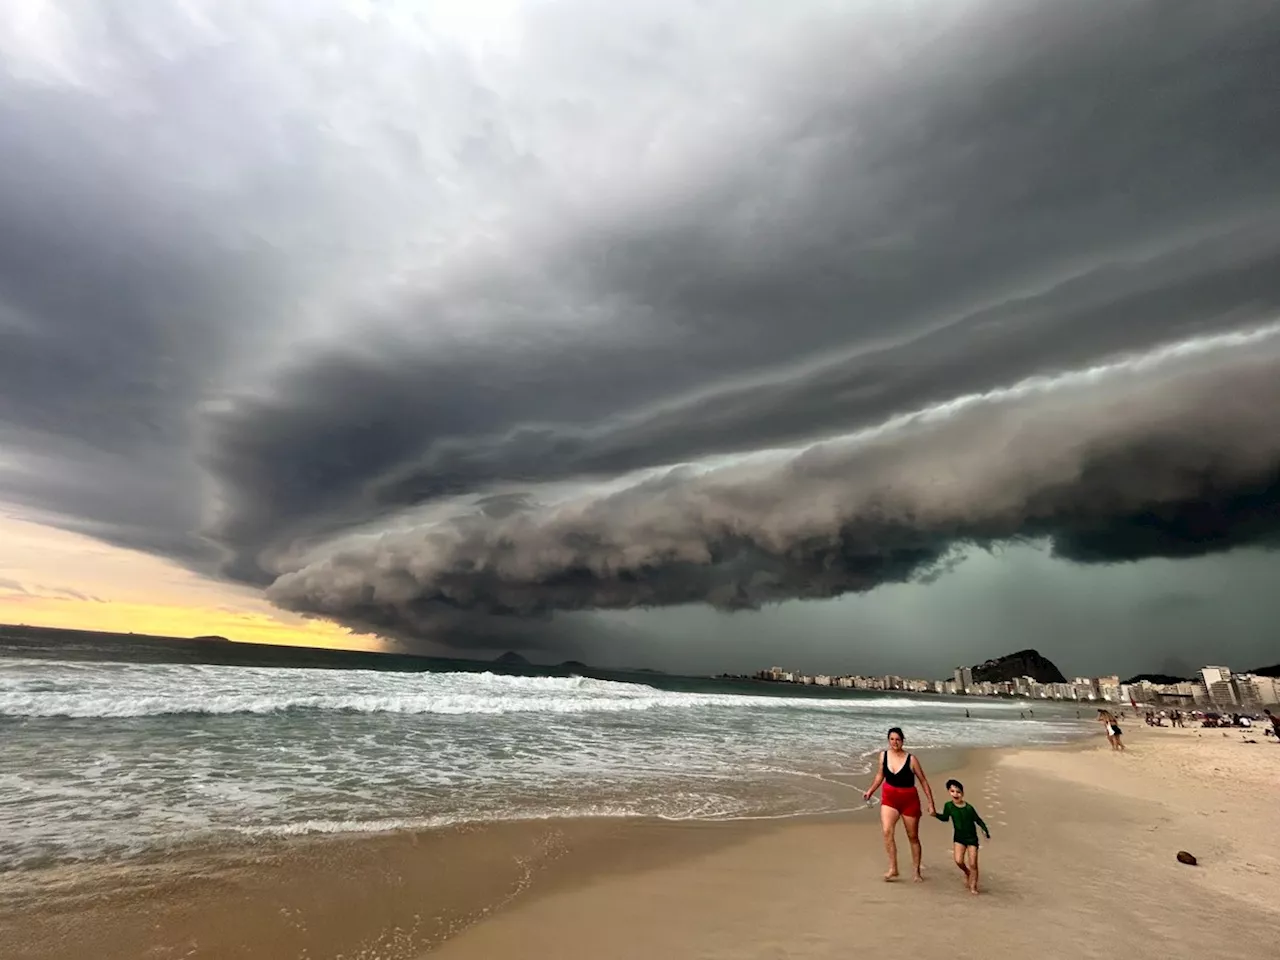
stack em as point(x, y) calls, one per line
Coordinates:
point(974, 891)
point(891, 876)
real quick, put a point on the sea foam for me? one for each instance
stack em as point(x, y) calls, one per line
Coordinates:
point(109, 760)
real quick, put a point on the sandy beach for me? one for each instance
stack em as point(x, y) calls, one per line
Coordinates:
point(1082, 864)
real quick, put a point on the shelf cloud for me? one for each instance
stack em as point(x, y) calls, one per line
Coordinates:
point(1171, 454)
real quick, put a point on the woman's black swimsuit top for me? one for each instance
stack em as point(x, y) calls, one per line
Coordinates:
point(905, 778)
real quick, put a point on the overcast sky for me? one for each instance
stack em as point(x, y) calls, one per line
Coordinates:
point(704, 336)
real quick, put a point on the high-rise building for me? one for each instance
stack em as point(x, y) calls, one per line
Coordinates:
point(1254, 692)
point(1109, 688)
point(1246, 692)
point(1268, 689)
point(1212, 675)
point(964, 678)
point(1217, 685)
point(1086, 688)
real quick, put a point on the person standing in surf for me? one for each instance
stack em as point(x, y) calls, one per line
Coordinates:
point(896, 774)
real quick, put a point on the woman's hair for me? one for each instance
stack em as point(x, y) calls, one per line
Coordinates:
point(898, 731)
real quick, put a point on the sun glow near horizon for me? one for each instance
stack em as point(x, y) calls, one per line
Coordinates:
point(54, 578)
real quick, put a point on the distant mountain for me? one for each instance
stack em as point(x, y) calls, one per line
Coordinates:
point(512, 659)
point(1161, 678)
point(1024, 663)
point(1271, 671)
point(93, 645)
point(573, 665)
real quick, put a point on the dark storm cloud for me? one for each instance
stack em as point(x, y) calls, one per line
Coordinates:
point(1169, 455)
point(1106, 310)
point(257, 309)
point(116, 299)
point(1005, 202)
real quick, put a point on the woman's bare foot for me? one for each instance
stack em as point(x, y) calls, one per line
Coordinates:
point(891, 876)
point(917, 878)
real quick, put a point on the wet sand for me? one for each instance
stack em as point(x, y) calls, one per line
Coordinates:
point(388, 896)
point(1082, 864)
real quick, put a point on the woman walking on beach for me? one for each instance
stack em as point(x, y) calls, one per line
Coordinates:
point(897, 773)
point(1108, 721)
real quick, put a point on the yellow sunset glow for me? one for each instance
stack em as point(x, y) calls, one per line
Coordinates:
point(52, 578)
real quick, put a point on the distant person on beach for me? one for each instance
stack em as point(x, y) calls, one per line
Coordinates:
point(1275, 723)
point(1114, 732)
point(965, 822)
point(897, 772)
point(1117, 743)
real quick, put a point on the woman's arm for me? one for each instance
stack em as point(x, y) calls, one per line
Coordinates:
point(875, 784)
point(928, 790)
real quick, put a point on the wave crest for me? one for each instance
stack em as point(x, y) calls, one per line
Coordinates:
point(122, 691)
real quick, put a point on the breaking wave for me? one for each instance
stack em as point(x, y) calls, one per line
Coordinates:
point(115, 759)
point(141, 691)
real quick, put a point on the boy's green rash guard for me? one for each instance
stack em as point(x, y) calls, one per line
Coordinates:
point(965, 821)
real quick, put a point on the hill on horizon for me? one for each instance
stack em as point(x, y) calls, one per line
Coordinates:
point(1023, 663)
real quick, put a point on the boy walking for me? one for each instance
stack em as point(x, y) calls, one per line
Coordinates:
point(965, 823)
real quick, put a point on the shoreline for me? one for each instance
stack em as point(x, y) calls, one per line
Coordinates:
point(1081, 865)
point(174, 902)
point(1081, 838)
point(278, 839)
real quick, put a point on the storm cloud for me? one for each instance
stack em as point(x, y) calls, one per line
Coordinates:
point(1176, 453)
point(444, 321)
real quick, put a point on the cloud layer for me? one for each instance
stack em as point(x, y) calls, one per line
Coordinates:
point(1176, 453)
point(438, 319)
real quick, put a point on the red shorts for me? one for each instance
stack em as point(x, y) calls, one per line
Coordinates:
point(903, 799)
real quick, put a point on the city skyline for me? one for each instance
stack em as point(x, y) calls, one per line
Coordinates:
point(1213, 686)
point(253, 625)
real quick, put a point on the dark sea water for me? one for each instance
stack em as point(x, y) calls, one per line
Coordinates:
point(107, 752)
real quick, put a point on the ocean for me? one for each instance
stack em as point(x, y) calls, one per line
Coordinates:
point(103, 760)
